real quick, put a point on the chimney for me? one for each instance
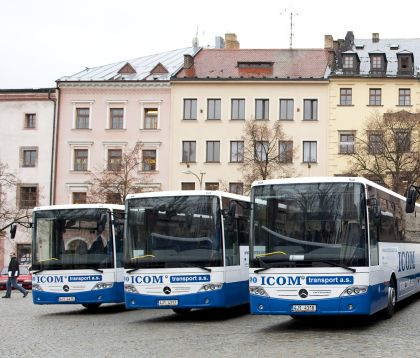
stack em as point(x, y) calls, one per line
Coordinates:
point(188, 61)
point(375, 37)
point(231, 42)
point(219, 42)
point(328, 42)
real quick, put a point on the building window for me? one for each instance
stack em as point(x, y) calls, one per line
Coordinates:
point(80, 160)
point(214, 108)
point(310, 109)
point(113, 198)
point(187, 186)
point(238, 108)
point(377, 64)
point(403, 141)
point(348, 62)
point(286, 109)
point(375, 96)
point(114, 159)
point(28, 196)
point(236, 188)
point(116, 118)
point(261, 109)
point(29, 157)
point(375, 143)
point(30, 121)
point(236, 151)
point(190, 108)
point(212, 186)
point(309, 152)
point(188, 151)
point(286, 151)
point(82, 118)
point(261, 151)
point(345, 96)
point(213, 151)
point(150, 118)
point(346, 143)
point(79, 198)
point(404, 97)
point(149, 160)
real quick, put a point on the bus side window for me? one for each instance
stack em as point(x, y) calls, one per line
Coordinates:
point(373, 232)
point(232, 254)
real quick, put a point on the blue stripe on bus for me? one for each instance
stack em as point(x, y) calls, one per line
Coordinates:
point(114, 294)
point(231, 294)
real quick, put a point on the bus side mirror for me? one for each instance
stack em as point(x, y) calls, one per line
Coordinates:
point(376, 210)
point(410, 199)
point(13, 229)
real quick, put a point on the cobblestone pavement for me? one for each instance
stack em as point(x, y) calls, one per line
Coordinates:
point(71, 331)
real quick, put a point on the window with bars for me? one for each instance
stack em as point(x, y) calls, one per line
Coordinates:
point(236, 188)
point(30, 121)
point(116, 118)
point(213, 151)
point(150, 118)
point(375, 95)
point(188, 151)
point(79, 197)
point(286, 151)
point(262, 109)
point(190, 108)
point(80, 160)
point(346, 143)
point(29, 157)
point(309, 152)
point(236, 151)
point(114, 159)
point(82, 118)
point(310, 109)
point(286, 109)
point(261, 151)
point(28, 196)
point(345, 96)
point(149, 160)
point(404, 97)
point(238, 108)
point(214, 108)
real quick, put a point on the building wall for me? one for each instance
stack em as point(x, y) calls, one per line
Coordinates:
point(227, 130)
point(352, 118)
point(98, 139)
point(14, 136)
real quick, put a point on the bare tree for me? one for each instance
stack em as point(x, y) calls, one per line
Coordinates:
point(123, 177)
point(267, 153)
point(388, 150)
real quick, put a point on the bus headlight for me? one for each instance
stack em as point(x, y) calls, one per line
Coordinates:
point(102, 285)
point(210, 287)
point(130, 288)
point(257, 290)
point(354, 290)
point(36, 287)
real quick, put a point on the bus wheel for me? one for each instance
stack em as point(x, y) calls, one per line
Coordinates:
point(181, 310)
point(91, 306)
point(392, 299)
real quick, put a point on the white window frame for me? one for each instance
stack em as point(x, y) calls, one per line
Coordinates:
point(112, 145)
point(279, 108)
point(82, 104)
point(303, 151)
point(144, 104)
point(317, 109)
point(79, 145)
point(116, 104)
point(75, 188)
point(149, 146)
point(207, 108)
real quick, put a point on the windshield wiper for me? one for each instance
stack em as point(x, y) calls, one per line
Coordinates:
point(335, 264)
point(189, 264)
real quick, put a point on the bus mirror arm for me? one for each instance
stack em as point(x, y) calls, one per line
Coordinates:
point(412, 193)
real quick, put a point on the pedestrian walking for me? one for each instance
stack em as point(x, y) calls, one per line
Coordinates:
point(13, 273)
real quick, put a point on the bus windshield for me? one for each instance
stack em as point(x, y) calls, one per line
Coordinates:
point(173, 231)
point(72, 239)
point(309, 224)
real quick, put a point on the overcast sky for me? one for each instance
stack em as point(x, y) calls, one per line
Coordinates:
point(43, 40)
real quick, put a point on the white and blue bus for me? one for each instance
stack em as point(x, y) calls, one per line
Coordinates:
point(186, 249)
point(331, 246)
point(77, 254)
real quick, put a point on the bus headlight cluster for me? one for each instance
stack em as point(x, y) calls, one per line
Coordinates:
point(130, 288)
point(102, 285)
point(257, 290)
point(211, 287)
point(354, 290)
point(36, 287)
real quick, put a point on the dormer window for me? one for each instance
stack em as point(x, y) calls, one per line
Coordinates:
point(350, 62)
point(405, 63)
point(378, 63)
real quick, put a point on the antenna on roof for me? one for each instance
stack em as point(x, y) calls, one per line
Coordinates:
point(195, 39)
point(291, 13)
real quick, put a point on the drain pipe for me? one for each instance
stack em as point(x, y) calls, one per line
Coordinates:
point(53, 144)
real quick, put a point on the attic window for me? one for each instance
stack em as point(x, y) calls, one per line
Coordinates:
point(360, 47)
point(255, 64)
point(394, 47)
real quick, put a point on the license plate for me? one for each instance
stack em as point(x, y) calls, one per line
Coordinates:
point(168, 303)
point(303, 308)
point(67, 299)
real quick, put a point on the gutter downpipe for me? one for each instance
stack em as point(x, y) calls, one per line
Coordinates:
point(53, 144)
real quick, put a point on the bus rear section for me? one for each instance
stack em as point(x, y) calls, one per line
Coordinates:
point(77, 254)
point(331, 246)
point(186, 250)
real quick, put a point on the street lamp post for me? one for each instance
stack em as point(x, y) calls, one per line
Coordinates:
point(199, 177)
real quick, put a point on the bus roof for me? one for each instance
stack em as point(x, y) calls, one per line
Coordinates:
point(217, 193)
point(79, 206)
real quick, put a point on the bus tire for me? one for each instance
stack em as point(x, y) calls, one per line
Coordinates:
point(181, 310)
point(392, 300)
point(91, 306)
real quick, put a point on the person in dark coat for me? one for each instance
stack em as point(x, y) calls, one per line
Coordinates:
point(13, 273)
